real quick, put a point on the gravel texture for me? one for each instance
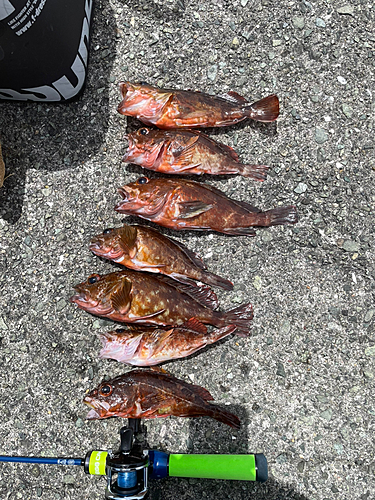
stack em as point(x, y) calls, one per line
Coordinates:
point(303, 383)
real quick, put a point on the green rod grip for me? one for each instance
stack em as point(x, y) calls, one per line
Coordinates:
point(240, 467)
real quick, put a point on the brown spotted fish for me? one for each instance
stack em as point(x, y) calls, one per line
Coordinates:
point(186, 152)
point(168, 108)
point(145, 249)
point(151, 346)
point(134, 297)
point(153, 394)
point(183, 204)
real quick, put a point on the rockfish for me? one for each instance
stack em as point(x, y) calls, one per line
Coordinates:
point(182, 204)
point(134, 297)
point(186, 152)
point(152, 394)
point(145, 249)
point(150, 346)
point(168, 108)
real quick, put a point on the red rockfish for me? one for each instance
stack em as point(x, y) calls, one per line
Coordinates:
point(182, 204)
point(186, 152)
point(168, 108)
point(152, 394)
point(134, 297)
point(149, 346)
point(145, 249)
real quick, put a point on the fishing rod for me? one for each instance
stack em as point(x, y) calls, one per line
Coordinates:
point(129, 469)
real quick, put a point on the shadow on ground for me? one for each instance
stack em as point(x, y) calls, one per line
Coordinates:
point(52, 136)
point(206, 438)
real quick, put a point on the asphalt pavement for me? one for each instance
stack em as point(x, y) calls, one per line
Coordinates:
point(303, 382)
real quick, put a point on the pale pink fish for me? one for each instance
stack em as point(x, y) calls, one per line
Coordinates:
point(150, 346)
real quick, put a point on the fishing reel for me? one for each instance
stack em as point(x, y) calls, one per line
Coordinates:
point(126, 469)
point(129, 469)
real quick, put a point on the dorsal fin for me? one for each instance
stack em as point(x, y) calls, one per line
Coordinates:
point(247, 206)
point(201, 293)
point(194, 257)
point(243, 204)
point(140, 328)
point(229, 150)
point(202, 392)
point(159, 369)
point(232, 96)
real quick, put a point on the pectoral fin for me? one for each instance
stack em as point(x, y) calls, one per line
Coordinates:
point(154, 401)
point(183, 152)
point(183, 143)
point(190, 209)
point(127, 240)
point(121, 297)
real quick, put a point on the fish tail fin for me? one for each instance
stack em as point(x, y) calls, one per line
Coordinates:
point(215, 280)
point(240, 317)
point(224, 416)
point(265, 110)
point(281, 215)
point(256, 172)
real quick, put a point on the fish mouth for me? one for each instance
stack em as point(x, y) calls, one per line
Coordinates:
point(82, 299)
point(130, 150)
point(100, 251)
point(129, 155)
point(124, 88)
point(98, 248)
point(95, 412)
point(108, 252)
point(124, 193)
point(101, 409)
point(126, 198)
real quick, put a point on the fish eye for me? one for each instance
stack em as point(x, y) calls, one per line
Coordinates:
point(143, 83)
point(143, 131)
point(93, 279)
point(105, 390)
point(142, 180)
point(108, 230)
point(120, 330)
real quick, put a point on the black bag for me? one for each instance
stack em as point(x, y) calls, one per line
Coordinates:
point(43, 48)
